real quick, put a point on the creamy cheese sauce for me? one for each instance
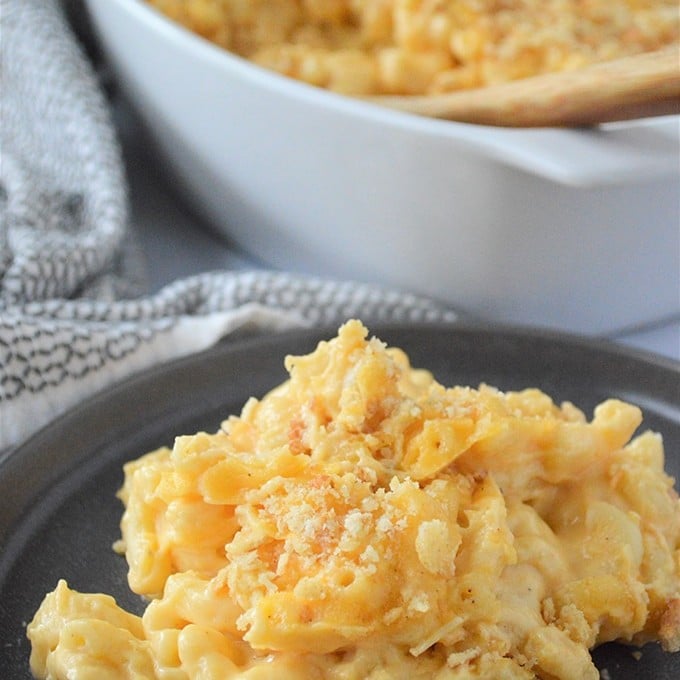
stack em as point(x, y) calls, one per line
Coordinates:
point(363, 521)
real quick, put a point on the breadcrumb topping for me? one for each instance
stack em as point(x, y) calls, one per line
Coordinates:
point(363, 520)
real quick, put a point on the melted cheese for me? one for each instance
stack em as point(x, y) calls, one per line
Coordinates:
point(362, 520)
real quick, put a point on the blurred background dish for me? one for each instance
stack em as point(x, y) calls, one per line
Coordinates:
point(568, 228)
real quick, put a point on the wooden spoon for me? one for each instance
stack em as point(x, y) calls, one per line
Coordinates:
point(640, 86)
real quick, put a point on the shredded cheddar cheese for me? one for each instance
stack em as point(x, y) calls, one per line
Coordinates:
point(363, 521)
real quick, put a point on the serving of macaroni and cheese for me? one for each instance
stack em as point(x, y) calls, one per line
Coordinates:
point(362, 520)
point(426, 46)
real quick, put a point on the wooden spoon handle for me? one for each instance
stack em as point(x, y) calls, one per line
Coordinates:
point(640, 86)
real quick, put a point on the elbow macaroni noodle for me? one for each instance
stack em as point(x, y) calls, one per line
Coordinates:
point(363, 521)
point(426, 46)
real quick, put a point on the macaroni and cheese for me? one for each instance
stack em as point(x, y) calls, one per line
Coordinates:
point(364, 521)
point(426, 46)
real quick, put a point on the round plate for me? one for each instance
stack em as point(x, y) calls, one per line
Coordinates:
point(59, 515)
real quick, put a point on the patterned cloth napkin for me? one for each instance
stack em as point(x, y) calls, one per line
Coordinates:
point(74, 317)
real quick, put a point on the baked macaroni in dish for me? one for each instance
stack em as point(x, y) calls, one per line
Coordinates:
point(426, 46)
point(364, 521)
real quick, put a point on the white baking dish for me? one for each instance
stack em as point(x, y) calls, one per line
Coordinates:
point(572, 229)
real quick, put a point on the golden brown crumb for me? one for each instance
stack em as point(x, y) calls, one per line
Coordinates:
point(669, 628)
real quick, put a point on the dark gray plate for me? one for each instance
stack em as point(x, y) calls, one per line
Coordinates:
point(58, 511)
